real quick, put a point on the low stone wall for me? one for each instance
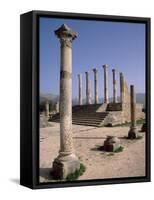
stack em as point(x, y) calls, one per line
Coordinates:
point(113, 118)
point(102, 108)
point(120, 117)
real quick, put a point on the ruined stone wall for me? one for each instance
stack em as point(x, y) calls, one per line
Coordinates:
point(120, 113)
point(114, 107)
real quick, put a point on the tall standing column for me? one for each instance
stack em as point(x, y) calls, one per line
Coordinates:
point(106, 93)
point(88, 94)
point(121, 88)
point(132, 134)
point(95, 85)
point(47, 109)
point(80, 88)
point(114, 86)
point(66, 162)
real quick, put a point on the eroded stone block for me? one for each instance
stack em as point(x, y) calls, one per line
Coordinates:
point(111, 143)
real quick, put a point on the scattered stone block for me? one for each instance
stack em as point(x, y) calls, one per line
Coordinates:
point(132, 134)
point(111, 144)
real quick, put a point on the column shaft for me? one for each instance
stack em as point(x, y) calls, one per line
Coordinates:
point(133, 106)
point(114, 86)
point(47, 109)
point(66, 99)
point(80, 88)
point(95, 86)
point(88, 94)
point(106, 93)
point(66, 162)
point(121, 88)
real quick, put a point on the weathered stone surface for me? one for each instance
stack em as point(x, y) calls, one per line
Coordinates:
point(132, 134)
point(64, 166)
point(44, 121)
point(106, 92)
point(80, 88)
point(88, 91)
point(111, 144)
point(95, 85)
point(114, 86)
point(66, 162)
point(47, 109)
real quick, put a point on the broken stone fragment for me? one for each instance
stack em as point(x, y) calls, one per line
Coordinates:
point(111, 144)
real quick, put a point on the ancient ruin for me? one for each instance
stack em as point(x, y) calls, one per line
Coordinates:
point(105, 113)
point(132, 134)
point(66, 162)
point(111, 144)
point(91, 110)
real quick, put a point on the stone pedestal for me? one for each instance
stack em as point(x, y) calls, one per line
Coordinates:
point(80, 88)
point(88, 92)
point(106, 92)
point(111, 144)
point(95, 85)
point(66, 162)
point(114, 86)
point(132, 134)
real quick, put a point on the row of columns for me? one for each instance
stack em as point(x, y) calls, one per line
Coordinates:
point(67, 162)
point(106, 91)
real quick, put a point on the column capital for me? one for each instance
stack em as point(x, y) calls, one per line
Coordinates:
point(105, 66)
point(121, 74)
point(79, 75)
point(66, 35)
point(87, 72)
point(113, 70)
point(95, 70)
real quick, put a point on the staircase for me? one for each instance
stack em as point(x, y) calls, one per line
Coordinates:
point(85, 115)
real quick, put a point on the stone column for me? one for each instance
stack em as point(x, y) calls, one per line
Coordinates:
point(47, 109)
point(95, 85)
point(114, 86)
point(106, 93)
point(121, 88)
point(66, 162)
point(57, 107)
point(80, 88)
point(132, 134)
point(88, 94)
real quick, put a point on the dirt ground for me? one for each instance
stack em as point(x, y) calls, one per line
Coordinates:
point(99, 164)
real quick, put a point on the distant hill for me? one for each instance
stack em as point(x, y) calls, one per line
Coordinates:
point(140, 98)
point(49, 97)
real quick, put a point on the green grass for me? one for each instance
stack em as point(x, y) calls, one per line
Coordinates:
point(76, 174)
point(119, 149)
point(138, 122)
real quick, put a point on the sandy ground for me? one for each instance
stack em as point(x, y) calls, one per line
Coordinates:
point(99, 165)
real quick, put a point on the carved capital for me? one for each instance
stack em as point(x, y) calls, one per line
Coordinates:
point(66, 42)
point(66, 35)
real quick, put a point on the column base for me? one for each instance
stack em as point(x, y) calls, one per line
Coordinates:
point(132, 134)
point(65, 165)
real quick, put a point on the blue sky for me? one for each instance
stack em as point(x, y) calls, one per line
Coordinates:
point(118, 44)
